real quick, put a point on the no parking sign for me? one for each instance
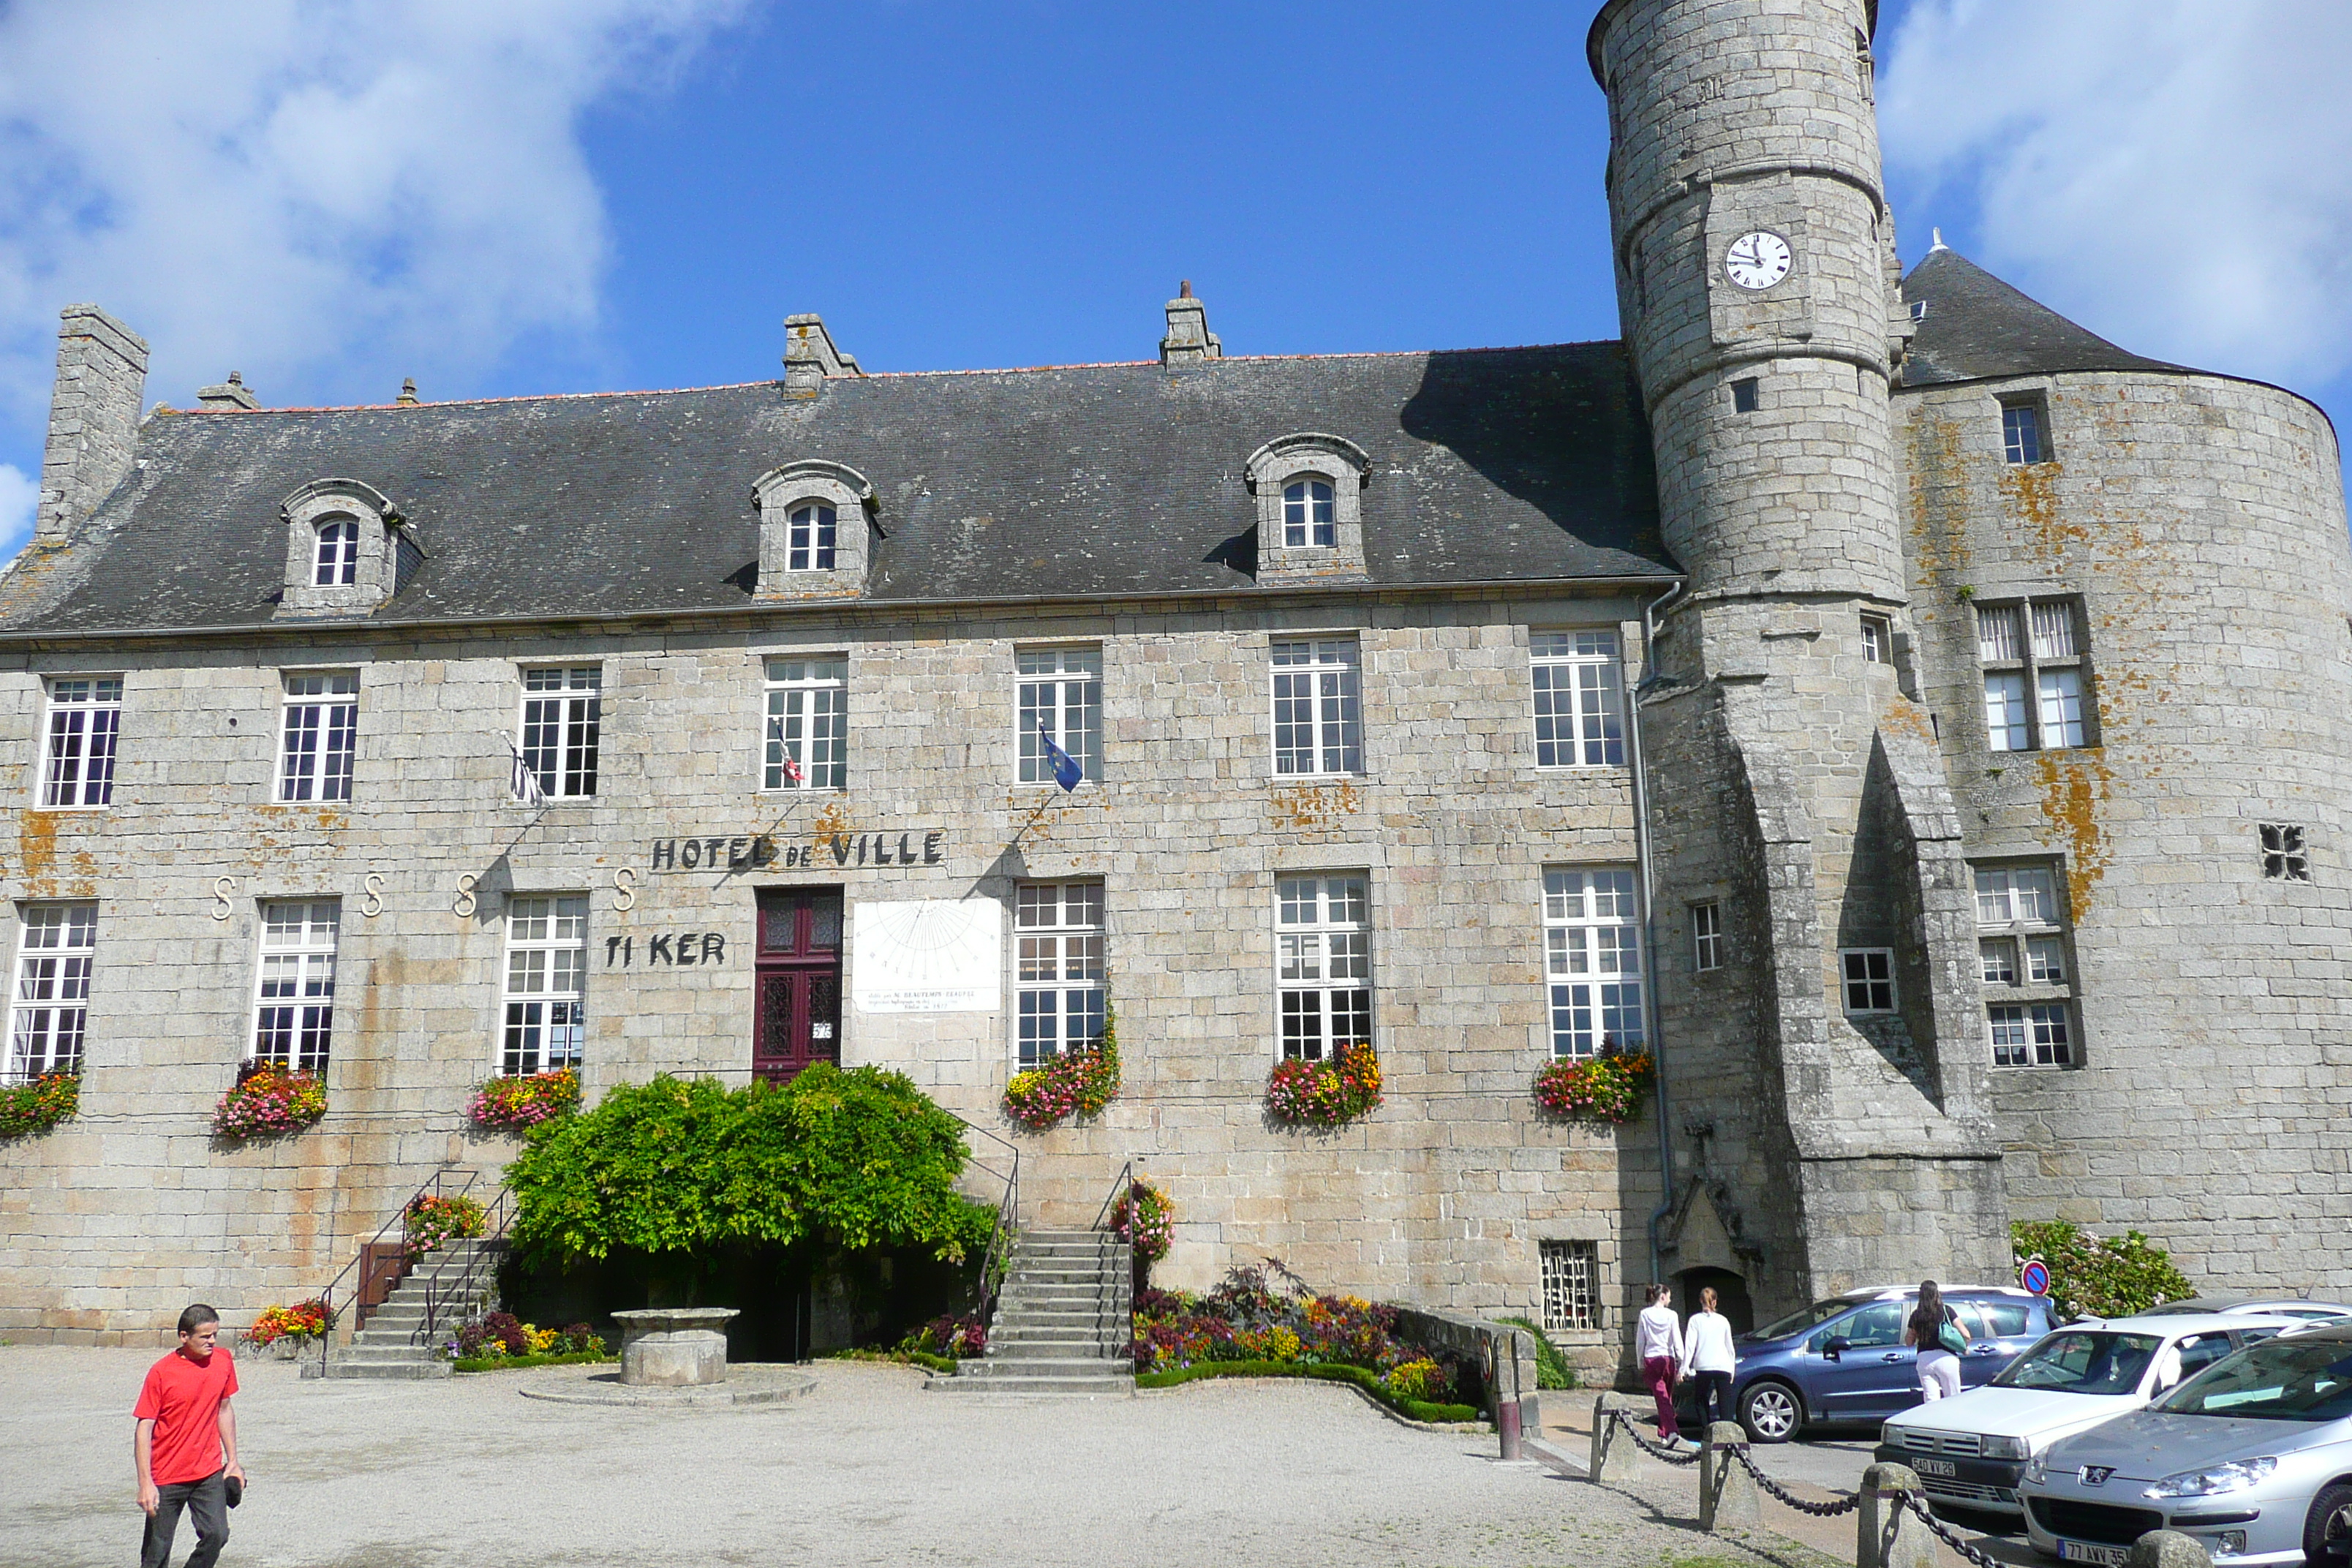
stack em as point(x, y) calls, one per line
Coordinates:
point(2035, 1277)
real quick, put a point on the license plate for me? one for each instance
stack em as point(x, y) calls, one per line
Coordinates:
point(2106, 1557)
point(1944, 1467)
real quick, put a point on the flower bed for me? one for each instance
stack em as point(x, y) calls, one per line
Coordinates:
point(36, 1107)
point(302, 1320)
point(1606, 1087)
point(517, 1104)
point(947, 1339)
point(430, 1221)
point(268, 1101)
point(1370, 1382)
point(502, 1340)
point(1146, 1220)
point(1075, 1083)
point(1329, 1093)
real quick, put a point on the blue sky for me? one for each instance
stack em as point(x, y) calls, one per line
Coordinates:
point(573, 194)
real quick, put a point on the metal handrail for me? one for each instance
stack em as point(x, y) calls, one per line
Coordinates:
point(439, 1295)
point(1008, 1215)
point(433, 1188)
point(1120, 1186)
point(1121, 1308)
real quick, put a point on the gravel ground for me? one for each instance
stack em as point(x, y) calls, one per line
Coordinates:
point(866, 1470)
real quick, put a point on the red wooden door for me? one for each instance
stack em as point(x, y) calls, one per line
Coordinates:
point(798, 1014)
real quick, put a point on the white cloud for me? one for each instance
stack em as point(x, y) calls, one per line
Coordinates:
point(17, 490)
point(324, 193)
point(2176, 174)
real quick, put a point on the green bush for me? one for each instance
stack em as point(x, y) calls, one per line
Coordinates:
point(1552, 1370)
point(856, 1160)
point(513, 1362)
point(1324, 1372)
point(901, 1358)
point(2100, 1276)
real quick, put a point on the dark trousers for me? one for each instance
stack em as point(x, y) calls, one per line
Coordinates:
point(208, 1504)
point(1714, 1397)
point(1658, 1372)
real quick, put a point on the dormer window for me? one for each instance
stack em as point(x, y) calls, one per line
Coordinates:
point(338, 553)
point(811, 546)
point(1307, 518)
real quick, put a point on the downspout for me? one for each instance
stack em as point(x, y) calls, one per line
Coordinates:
point(1644, 858)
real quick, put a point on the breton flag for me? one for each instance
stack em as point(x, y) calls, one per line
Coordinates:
point(1066, 772)
point(525, 777)
point(792, 762)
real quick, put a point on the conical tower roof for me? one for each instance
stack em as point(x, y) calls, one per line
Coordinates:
point(1977, 327)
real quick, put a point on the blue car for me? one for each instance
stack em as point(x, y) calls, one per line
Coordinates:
point(1844, 1360)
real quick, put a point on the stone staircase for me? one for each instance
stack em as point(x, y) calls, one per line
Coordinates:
point(1062, 1321)
point(392, 1342)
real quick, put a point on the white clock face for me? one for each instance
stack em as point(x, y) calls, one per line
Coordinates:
point(1756, 260)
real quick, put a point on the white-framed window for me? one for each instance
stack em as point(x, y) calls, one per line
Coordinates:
point(50, 1014)
point(1318, 725)
point(1869, 976)
point(85, 719)
point(563, 715)
point(1571, 1284)
point(2284, 857)
point(2034, 679)
point(1323, 963)
point(1061, 696)
point(1580, 706)
point(1308, 516)
point(547, 982)
point(1707, 935)
point(337, 563)
point(810, 536)
point(319, 735)
point(1877, 640)
point(1058, 934)
point(2022, 960)
point(808, 724)
point(1593, 962)
point(294, 1000)
point(2021, 439)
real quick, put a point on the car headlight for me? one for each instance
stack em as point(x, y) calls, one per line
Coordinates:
point(2037, 1471)
point(2234, 1476)
point(1891, 1435)
point(2004, 1448)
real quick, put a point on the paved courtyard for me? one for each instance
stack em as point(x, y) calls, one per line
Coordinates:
point(867, 1469)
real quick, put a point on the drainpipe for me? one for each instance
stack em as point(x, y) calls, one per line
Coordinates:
point(1643, 855)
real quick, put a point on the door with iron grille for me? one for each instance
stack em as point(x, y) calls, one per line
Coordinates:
point(798, 1017)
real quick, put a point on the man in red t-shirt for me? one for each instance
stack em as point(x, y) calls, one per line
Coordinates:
point(185, 1445)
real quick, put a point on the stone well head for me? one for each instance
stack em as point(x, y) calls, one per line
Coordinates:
point(674, 1347)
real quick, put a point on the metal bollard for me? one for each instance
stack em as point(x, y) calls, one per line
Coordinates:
point(1728, 1498)
point(1615, 1461)
point(1885, 1534)
point(2169, 1549)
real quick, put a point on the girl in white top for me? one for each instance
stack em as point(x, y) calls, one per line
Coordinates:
point(1707, 1338)
point(1658, 1345)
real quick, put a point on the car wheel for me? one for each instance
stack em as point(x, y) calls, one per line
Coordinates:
point(1771, 1412)
point(2327, 1533)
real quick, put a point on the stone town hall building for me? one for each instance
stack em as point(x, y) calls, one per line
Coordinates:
point(1920, 721)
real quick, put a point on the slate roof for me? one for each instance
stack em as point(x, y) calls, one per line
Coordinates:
point(1511, 464)
point(1977, 327)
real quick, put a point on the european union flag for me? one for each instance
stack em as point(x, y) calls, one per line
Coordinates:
point(1066, 772)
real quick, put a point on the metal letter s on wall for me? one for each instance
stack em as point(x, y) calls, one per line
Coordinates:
point(221, 888)
point(625, 882)
point(465, 905)
point(371, 898)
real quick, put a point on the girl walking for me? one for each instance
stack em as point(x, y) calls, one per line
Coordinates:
point(1936, 1330)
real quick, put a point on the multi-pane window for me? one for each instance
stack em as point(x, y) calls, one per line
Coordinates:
point(2021, 433)
point(1318, 725)
point(338, 560)
point(1057, 932)
point(562, 711)
point(294, 1011)
point(1707, 935)
point(2034, 680)
point(1061, 696)
point(1307, 518)
point(809, 539)
point(1579, 717)
point(51, 1008)
point(1868, 973)
point(2022, 961)
point(85, 718)
point(323, 726)
point(808, 724)
point(1593, 962)
point(1323, 966)
point(2284, 858)
point(547, 982)
point(1877, 640)
point(1571, 1284)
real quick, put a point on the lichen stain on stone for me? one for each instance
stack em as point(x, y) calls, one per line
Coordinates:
point(2032, 490)
point(36, 847)
point(1905, 717)
point(832, 820)
point(1311, 807)
point(1938, 501)
point(2072, 790)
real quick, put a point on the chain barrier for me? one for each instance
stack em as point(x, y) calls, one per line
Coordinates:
point(1944, 1533)
point(1767, 1483)
point(1671, 1454)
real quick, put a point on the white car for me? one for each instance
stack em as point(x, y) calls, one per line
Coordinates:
point(1970, 1451)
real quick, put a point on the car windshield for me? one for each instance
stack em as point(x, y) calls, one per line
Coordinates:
point(1799, 1321)
point(2084, 1361)
point(2278, 1380)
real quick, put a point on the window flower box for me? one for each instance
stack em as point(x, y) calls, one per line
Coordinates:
point(1145, 1219)
point(1075, 1083)
point(1332, 1092)
point(1606, 1087)
point(520, 1103)
point(268, 1102)
point(431, 1220)
point(26, 1108)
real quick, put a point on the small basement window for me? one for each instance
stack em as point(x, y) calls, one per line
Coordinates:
point(1869, 979)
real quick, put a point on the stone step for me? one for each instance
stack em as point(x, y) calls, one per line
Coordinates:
point(402, 1371)
point(1038, 1387)
point(1009, 1328)
point(1049, 1365)
point(1029, 1353)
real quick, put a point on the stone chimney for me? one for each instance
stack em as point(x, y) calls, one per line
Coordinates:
point(810, 358)
point(93, 419)
point(1188, 337)
point(230, 393)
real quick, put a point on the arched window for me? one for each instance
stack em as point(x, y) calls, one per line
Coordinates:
point(810, 547)
point(1307, 518)
point(338, 553)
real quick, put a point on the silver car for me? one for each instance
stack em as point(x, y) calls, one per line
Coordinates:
point(2252, 1457)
